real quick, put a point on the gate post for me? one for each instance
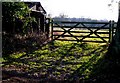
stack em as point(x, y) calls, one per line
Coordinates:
point(112, 29)
point(109, 31)
point(51, 29)
point(47, 27)
point(111, 24)
point(52, 43)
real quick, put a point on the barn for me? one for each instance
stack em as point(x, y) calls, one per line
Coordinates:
point(39, 13)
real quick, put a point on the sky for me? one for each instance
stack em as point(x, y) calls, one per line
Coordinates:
point(95, 9)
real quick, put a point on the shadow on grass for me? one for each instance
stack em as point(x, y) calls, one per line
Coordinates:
point(66, 62)
point(107, 69)
point(82, 74)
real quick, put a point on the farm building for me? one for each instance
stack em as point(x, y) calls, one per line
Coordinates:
point(39, 13)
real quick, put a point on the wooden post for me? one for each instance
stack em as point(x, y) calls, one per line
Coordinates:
point(52, 43)
point(47, 27)
point(112, 30)
point(52, 29)
point(109, 31)
point(111, 24)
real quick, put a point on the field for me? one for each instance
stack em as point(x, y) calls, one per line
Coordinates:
point(55, 62)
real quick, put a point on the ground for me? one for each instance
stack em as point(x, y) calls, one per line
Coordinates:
point(58, 62)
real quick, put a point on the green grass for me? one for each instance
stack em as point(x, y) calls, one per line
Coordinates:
point(60, 59)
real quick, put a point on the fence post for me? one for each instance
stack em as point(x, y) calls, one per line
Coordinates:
point(52, 43)
point(47, 27)
point(51, 29)
point(111, 23)
point(112, 29)
point(109, 31)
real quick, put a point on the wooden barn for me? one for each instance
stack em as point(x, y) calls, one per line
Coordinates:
point(39, 13)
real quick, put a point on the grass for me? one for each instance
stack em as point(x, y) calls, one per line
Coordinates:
point(59, 60)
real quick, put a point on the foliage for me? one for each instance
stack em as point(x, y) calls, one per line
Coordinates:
point(20, 43)
point(12, 10)
point(15, 11)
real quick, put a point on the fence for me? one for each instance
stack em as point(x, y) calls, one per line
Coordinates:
point(99, 32)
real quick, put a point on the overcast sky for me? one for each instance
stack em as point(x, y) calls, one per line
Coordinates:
point(96, 9)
